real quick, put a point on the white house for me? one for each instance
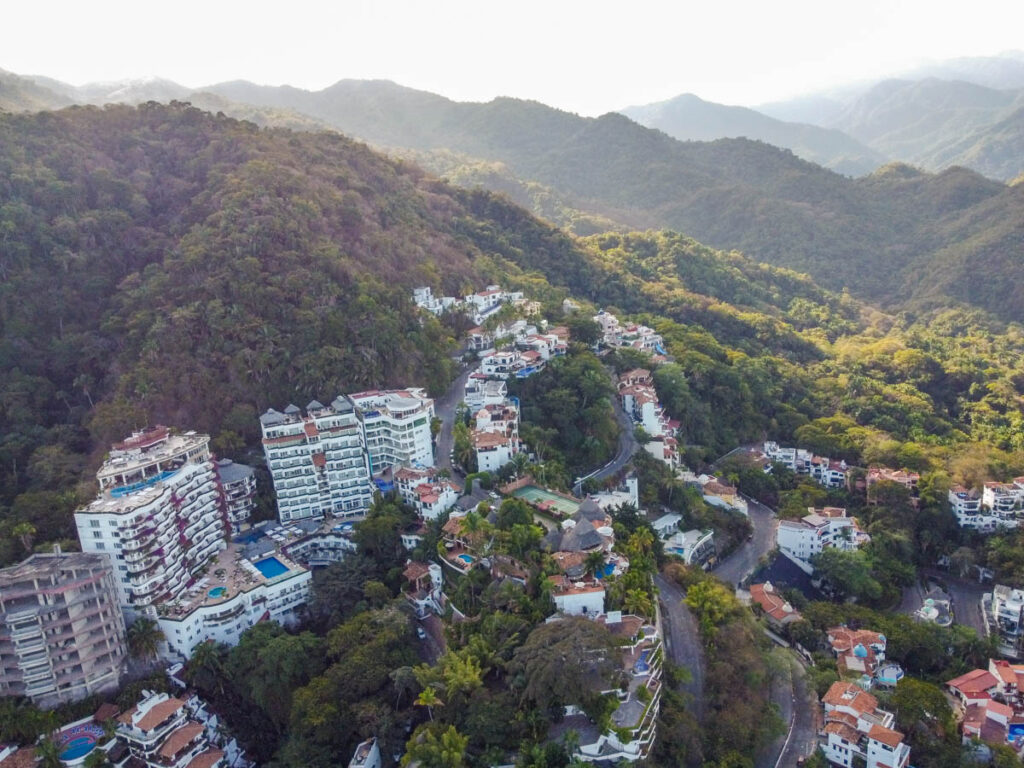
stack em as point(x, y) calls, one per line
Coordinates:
point(367, 755)
point(971, 512)
point(858, 732)
point(578, 598)
point(819, 530)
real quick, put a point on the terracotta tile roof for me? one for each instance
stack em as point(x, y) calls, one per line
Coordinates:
point(1004, 671)
point(310, 429)
point(489, 439)
point(772, 602)
point(845, 640)
point(843, 731)
point(976, 681)
point(850, 696)
point(206, 759)
point(835, 716)
point(414, 571)
point(885, 735)
point(157, 714)
point(998, 708)
point(106, 712)
point(179, 739)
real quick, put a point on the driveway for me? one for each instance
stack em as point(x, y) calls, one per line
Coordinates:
point(444, 409)
point(744, 559)
point(682, 641)
point(966, 597)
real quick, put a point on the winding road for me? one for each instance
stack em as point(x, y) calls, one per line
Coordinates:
point(743, 560)
point(627, 444)
point(682, 641)
point(444, 409)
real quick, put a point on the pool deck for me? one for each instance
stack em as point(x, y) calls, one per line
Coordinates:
point(239, 575)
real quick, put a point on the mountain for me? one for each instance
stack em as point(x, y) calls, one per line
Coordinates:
point(937, 124)
point(22, 94)
point(1004, 71)
point(690, 118)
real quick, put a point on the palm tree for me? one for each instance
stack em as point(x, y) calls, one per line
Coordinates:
point(428, 698)
point(638, 602)
point(48, 754)
point(206, 669)
point(144, 638)
point(97, 759)
point(26, 532)
point(404, 680)
point(594, 562)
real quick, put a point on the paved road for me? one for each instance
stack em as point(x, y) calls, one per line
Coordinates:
point(444, 409)
point(798, 707)
point(627, 444)
point(966, 598)
point(682, 640)
point(744, 559)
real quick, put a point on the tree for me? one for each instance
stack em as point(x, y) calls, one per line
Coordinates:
point(847, 574)
point(431, 747)
point(428, 698)
point(712, 603)
point(97, 759)
point(25, 532)
point(144, 638)
point(594, 562)
point(207, 670)
point(48, 754)
point(565, 662)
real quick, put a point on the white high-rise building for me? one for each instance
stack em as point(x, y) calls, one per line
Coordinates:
point(324, 462)
point(318, 461)
point(159, 515)
point(397, 426)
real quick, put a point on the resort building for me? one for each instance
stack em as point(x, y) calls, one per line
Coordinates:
point(424, 588)
point(160, 733)
point(238, 488)
point(367, 755)
point(817, 531)
point(696, 547)
point(318, 462)
point(857, 732)
point(61, 628)
point(236, 594)
point(397, 428)
point(159, 515)
point(493, 450)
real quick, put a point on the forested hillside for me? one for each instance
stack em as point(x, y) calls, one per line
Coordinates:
point(160, 264)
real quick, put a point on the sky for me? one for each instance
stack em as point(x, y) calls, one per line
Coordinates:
point(587, 57)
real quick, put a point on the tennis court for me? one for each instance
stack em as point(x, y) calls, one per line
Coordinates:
point(546, 500)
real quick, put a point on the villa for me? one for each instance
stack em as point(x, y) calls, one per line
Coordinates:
point(777, 610)
point(857, 732)
point(991, 704)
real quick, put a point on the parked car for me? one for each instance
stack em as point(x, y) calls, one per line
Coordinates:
point(420, 633)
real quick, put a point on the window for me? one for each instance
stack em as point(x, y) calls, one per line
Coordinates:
point(94, 523)
point(97, 534)
point(101, 545)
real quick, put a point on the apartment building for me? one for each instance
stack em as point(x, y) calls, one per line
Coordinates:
point(396, 424)
point(857, 732)
point(1005, 615)
point(318, 462)
point(159, 515)
point(236, 594)
point(61, 628)
point(817, 531)
point(238, 488)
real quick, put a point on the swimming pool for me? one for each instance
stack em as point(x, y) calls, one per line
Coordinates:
point(78, 741)
point(217, 592)
point(1014, 732)
point(641, 665)
point(467, 559)
point(608, 570)
point(270, 567)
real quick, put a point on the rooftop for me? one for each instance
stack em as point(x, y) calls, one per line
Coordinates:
point(144, 449)
point(231, 572)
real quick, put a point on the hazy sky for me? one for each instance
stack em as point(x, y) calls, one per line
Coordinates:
point(589, 57)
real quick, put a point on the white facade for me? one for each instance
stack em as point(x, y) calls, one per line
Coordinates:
point(160, 733)
point(159, 515)
point(250, 598)
point(856, 728)
point(972, 512)
point(397, 428)
point(367, 755)
point(318, 463)
point(238, 487)
point(803, 539)
point(580, 601)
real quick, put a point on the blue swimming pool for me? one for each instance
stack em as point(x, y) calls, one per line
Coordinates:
point(1014, 732)
point(78, 741)
point(217, 592)
point(641, 665)
point(467, 559)
point(608, 570)
point(270, 567)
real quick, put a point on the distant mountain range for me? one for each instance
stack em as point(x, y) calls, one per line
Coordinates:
point(899, 237)
point(690, 118)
